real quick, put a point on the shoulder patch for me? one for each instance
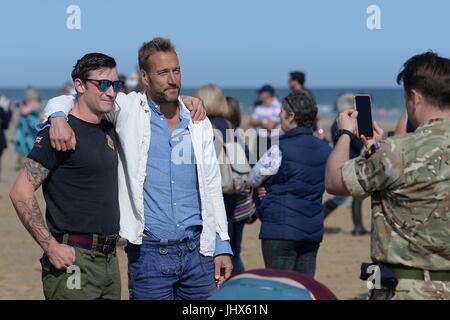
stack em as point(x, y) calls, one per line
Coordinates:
point(38, 139)
point(37, 142)
point(110, 142)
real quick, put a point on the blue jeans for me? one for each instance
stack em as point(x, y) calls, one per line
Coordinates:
point(298, 256)
point(169, 270)
point(235, 231)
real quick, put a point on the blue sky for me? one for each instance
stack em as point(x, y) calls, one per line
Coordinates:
point(233, 43)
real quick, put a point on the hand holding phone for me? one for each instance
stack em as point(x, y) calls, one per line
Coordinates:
point(363, 105)
point(377, 136)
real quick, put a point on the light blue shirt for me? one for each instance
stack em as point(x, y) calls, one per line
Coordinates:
point(46, 124)
point(171, 196)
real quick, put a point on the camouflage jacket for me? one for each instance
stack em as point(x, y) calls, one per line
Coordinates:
point(408, 178)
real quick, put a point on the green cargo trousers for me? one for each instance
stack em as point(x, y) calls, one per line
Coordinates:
point(94, 275)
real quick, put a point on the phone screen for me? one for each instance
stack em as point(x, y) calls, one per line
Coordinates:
point(363, 106)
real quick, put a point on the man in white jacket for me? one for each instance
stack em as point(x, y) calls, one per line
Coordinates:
point(171, 205)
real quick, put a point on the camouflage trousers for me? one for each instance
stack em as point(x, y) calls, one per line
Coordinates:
point(409, 289)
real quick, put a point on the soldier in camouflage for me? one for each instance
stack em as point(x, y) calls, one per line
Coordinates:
point(408, 179)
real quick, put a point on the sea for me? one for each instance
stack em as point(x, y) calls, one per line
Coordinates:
point(388, 103)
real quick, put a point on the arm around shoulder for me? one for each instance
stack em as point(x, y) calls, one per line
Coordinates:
point(63, 103)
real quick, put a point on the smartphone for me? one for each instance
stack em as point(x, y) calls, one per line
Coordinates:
point(363, 104)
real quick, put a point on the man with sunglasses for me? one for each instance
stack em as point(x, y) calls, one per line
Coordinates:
point(80, 190)
point(170, 194)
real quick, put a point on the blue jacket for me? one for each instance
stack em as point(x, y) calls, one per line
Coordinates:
point(292, 208)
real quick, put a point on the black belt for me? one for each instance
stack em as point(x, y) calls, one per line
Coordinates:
point(195, 233)
point(94, 242)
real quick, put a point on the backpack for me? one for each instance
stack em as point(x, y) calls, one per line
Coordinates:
point(233, 163)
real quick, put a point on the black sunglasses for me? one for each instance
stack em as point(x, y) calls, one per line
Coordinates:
point(105, 84)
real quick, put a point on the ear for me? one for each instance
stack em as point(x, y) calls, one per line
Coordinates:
point(291, 117)
point(79, 86)
point(144, 78)
point(416, 98)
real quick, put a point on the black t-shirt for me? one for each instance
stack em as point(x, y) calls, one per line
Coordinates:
point(81, 190)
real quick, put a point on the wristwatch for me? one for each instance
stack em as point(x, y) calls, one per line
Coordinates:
point(340, 132)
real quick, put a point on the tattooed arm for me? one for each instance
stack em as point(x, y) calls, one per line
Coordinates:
point(22, 196)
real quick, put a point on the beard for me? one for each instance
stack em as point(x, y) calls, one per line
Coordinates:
point(160, 97)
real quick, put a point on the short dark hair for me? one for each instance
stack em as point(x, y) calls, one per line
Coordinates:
point(299, 76)
point(90, 62)
point(148, 48)
point(430, 75)
point(303, 106)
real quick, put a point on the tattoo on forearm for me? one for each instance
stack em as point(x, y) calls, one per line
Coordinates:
point(28, 208)
point(30, 214)
point(36, 173)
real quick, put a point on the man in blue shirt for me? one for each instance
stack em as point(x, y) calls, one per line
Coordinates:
point(171, 198)
point(169, 263)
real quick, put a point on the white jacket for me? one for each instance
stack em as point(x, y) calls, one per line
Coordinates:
point(131, 117)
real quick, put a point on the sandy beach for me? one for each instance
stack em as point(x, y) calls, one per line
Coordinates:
point(339, 258)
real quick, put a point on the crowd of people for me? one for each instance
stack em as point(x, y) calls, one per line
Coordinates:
point(179, 179)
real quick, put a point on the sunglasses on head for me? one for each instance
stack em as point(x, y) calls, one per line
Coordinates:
point(105, 84)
